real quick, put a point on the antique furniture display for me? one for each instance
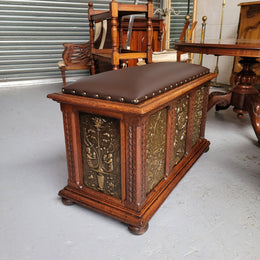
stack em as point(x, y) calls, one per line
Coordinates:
point(243, 96)
point(249, 28)
point(113, 52)
point(131, 136)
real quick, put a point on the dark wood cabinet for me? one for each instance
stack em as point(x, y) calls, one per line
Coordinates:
point(138, 40)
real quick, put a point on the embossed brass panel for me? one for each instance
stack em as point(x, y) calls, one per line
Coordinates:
point(197, 115)
point(155, 149)
point(181, 121)
point(100, 143)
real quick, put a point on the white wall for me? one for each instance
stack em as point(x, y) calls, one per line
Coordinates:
point(212, 9)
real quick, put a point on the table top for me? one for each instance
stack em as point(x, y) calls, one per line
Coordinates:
point(249, 3)
point(228, 47)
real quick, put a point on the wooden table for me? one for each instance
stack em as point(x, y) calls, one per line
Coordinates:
point(243, 96)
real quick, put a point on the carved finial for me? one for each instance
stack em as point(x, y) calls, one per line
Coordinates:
point(204, 18)
point(90, 4)
point(187, 17)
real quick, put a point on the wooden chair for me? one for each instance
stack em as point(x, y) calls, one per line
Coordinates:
point(173, 55)
point(77, 56)
point(186, 36)
point(113, 52)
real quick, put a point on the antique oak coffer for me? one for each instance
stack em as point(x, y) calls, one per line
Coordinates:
point(131, 135)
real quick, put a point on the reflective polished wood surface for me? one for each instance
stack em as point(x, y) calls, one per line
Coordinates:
point(227, 47)
point(243, 96)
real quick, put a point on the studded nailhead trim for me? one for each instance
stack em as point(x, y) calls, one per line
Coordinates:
point(136, 101)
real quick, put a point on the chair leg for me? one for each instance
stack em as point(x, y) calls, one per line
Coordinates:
point(178, 56)
point(92, 66)
point(62, 70)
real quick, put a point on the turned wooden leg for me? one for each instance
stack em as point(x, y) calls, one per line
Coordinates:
point(67, 202)
point(115, 67)
point(62, 70)
point(252, 105)
point(138, 230)
point(220, 99)
point(114, 35)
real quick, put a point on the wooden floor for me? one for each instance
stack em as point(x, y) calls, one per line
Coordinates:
point(213, 213)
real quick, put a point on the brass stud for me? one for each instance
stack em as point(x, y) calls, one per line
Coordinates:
point(97, 96)
point(84, 93)
point(122, 99)
point(160, 91)
point(74, 91)
point(109, 97)
point(136, 101)
point(63, 90)
point(171, 86)
point(145, 97)
point(153, 94)
point(165, 89)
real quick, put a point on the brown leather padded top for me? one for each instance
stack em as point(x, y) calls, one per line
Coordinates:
point(136, 84)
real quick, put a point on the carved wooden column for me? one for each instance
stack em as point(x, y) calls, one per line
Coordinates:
point(135, 164)
point(149, 17)
point(91, 34)
point(114, 34)
point(73, 152)
point(245, 80)
point(170, 138)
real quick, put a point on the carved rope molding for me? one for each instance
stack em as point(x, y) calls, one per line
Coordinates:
point(69, 146)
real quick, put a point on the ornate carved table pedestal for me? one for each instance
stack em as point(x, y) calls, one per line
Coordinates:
point(243, 96)
point(131, 135)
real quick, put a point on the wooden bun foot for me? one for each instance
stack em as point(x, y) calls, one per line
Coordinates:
point(206, 150)
point(67, 202)
point(138, 230)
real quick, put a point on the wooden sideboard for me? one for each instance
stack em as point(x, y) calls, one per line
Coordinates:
point(248, 28)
